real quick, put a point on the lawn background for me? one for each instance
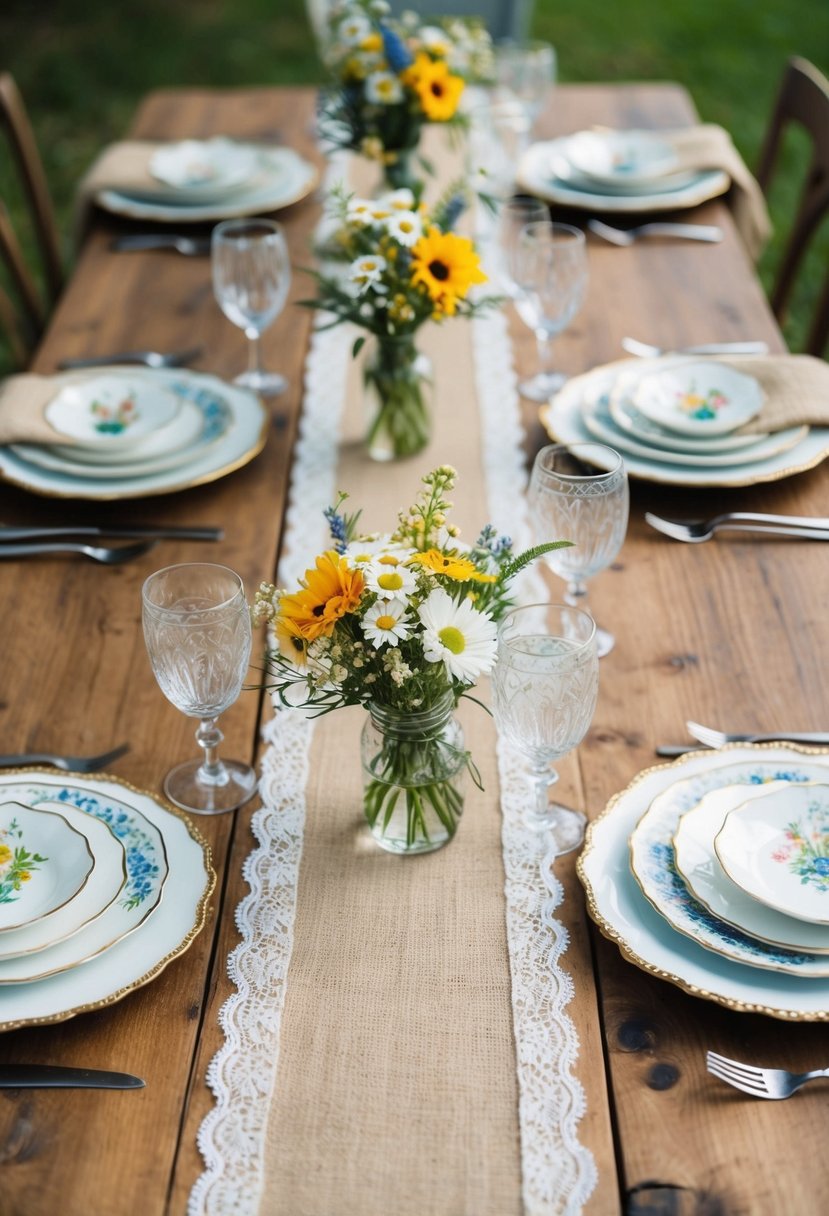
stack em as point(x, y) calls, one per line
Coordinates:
point(82, 69)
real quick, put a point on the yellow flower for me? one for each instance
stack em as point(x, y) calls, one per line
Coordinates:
point(459, 568)
point(328, 591)
point(5, 854)
point(291, 642)
point(447, 266)
point(438, 90)
point(24, 875)
point(373, 42)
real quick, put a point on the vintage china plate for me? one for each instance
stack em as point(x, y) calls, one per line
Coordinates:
point(614, 158)
point(564, 423)
point(180, 433)
point(102, 887)
point(645, 938)
point(203, 170)
point(777, 850)
point(653, 866)
point(147, 870)
point(137, 959)
point(111, 413)
point(699, 398)
point(562, 169)
point(536, 176)
point(44, 863)
point(697, 865)
point(284, 178)
point(241, 440)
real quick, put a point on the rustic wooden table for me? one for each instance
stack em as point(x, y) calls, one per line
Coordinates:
point(734, 632)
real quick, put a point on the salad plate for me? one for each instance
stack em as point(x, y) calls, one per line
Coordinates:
point(111, 413)
point(137, 959)
point(777, 850)
point(697, 865)
point(645, 938)
point(102, 887)
point(44, 863)
point(629, 158)
point(698, 398)
point(201, 170)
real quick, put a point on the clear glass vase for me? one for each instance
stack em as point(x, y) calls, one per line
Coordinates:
point(414, 770)
point(400, 172)
point(398, 388)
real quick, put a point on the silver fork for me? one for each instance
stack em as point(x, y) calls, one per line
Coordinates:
point(148, 358)
point(108, 555)
point(759, 1082)
point(626, 236)
point(696, 530)
point(71, 764)
point(646, 350)
point(718, 738)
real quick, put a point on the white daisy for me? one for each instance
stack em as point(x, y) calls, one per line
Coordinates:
point(389, 577)
point(384, 88)
point(386, 622)
point(457, 635)
point(366, 272)
point(361, 551)
point(435, 40)
point(359, 210)
point(354, 30)
point(406, 227)
point(398, 200)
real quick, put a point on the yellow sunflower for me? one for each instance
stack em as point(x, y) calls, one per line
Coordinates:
point(447, 266)
point(438, 90)
point(329, 591)
point(459, 568)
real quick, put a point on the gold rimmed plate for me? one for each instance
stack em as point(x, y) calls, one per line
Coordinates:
point(44, 863)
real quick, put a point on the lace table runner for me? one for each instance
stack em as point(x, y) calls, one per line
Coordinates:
point(256, 1077)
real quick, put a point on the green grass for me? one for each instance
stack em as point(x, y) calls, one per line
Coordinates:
point(82, 70)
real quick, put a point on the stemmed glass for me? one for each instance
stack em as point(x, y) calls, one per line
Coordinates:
point(526, 71)
point(579, 492)
point(548, 264)
point(251, 278)
point(198, 636)
point(514, 216)
point(544, 686)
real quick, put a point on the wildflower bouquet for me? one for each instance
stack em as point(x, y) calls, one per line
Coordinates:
point(404, 267)
point(403, 624)
point(391, 77)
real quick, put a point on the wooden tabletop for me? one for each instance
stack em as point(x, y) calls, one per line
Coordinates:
point(734, 632)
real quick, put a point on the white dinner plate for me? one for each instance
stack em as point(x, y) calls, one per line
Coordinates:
point(653, 865)
point(147, 870)
point(238, 444)
point(138, 958)
point(202, 170)
point(284, 178)
point(564, 422)
point(699, 398)
point(702, 873)
point(44, 863)
point(645, 938)
point(777, 850)
point(102, 887)
point(614, 158)
point(536, 176)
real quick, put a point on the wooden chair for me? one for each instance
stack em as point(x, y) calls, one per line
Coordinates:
point(803, 99)
point(32, 308)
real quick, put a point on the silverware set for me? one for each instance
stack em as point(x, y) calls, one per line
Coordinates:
point(145, 358)
point(707, 737)
point(693, 531)
point(774, 1083)
point(39, 541)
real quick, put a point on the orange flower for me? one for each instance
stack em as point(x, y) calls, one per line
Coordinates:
point(459, 568)
point(438, 90)
point(329, 591)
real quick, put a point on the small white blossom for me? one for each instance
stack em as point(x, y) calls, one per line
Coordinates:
point(398, 200)
point(385, 622)
point(366, 272)
point(406, 227)
point(354, 29)
point(435, 40)
point(389, 577)
point(383, 88)
point(359, 211)
point(457, 635)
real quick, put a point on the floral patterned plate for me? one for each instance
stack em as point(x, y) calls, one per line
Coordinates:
point(44, 863)
point(653, 864)
point(699, 398)
point(146, 874)
point(702, 873)
point(777, 849)
point(137, 959)
point(110, 413)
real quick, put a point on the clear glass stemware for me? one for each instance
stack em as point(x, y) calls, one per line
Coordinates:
point(545, 685)
point(525, 71)
point(198, 636)
point(251, 279)
point(579, 492)
point(548, 264)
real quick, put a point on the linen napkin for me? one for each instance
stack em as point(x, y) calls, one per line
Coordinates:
point(796, 389)
point(23, 400)
point(123, 166)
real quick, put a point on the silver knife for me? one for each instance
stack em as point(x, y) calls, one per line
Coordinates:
point(10, 532)
point(53, 1076)
point(679, 749)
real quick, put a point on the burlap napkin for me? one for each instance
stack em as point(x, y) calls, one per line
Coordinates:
point(123, 166)
point(23, 400)
point(708, 146)
point(796, 388)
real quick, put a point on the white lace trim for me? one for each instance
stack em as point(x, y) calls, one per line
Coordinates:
point(559, 1174)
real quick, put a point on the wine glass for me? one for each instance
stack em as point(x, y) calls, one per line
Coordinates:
point(198, 636)
point(544, 686)
point(499, 135)
point(251, 278)
point(526, 71)
point(579, 492)
point(548, 264)
point(514, 216)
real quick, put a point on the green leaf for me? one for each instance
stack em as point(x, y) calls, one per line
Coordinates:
point(358, 346)
point(529, 555)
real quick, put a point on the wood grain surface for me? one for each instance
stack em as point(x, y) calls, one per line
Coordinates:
point(734, 632)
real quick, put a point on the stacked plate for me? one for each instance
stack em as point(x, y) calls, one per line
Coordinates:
point(713, 873)
point(100, 887)
point(127, 433)
point(677, 420)
point(199, 180)
point(616, 171)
